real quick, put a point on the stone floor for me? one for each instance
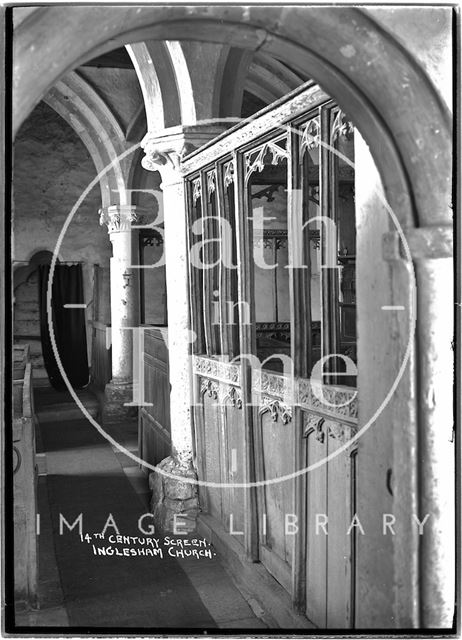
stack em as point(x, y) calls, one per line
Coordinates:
point(80, 472)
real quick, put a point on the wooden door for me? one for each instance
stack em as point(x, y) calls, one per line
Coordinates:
point(274, 447)
point(330, 524)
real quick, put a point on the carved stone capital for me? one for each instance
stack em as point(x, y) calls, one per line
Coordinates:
point(118, 217)
point(165, 152)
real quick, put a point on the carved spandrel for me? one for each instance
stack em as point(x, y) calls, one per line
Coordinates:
point(278, 410)
point(221, 392)
point(341, 403)
point(338, 431)
point(342, 127)
point(326, 428)
point(314, 423)
point(311, 135)
point(255, 160)
point(253, 129)
point(196, 190)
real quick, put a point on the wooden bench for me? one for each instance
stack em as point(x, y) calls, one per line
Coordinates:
point(24, 481)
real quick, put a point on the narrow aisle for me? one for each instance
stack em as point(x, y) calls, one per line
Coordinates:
point(85, 479)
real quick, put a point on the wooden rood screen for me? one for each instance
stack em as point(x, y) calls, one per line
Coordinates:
point(272, 245)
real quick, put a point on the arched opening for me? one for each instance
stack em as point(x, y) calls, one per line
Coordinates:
point(406, 149)
point(367, 93)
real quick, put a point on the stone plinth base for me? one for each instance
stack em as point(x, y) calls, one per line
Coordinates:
point(115, 395)
point(173, 500)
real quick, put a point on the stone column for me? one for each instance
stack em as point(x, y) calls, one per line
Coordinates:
point(124, 309)
point(425, 453)
point(171, 496)
point(432, 251)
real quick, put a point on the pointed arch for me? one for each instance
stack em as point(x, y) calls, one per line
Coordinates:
point(156, 75)
point(89, 116)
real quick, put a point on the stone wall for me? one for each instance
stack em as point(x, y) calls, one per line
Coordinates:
point(51, 168)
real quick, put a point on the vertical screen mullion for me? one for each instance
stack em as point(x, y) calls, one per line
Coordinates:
point(205, 290)
point(194, 277)
point(223, 283)
point(327, 184)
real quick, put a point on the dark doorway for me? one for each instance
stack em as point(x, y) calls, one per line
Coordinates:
point(68, 321)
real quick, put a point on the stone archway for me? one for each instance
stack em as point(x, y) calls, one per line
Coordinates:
point(407, 144)
point(400, 115)
point(82, 108)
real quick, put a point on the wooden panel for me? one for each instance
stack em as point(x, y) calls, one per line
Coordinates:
point(275, 458)
point(101, 370)
point(330, 498)
point(157, 386)
point(339, 544)
point(219, 426)
point(213, 450)
point(154, 420)
point(155, 444)
point(235, 447)
point(316, 540)
point(247, 345)
point(24, 488)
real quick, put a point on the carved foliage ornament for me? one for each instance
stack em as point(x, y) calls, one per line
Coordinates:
point(270, 242)
point(151, 238)
point(228, 173)
point(337, 402)
point(268, 236)
point(273, 330)
point(117, 218)
point(211, 183)
point(273, 385)
point(164, 152)
point(196, 190)
point(217, 370)
point(252, 130)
